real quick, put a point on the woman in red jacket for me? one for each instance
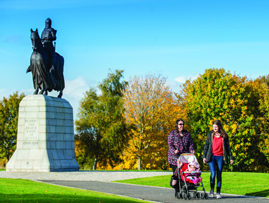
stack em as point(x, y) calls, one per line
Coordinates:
point(216, 152)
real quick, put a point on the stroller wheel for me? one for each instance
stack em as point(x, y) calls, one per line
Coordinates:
point(185, 196)
point(198, 195)
point(194, 195)
point(189, 196)
point(202, 195)
point(206, 196)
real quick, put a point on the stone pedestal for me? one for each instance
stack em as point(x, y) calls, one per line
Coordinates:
point(45, 138)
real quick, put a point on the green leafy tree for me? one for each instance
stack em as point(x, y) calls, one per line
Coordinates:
point(235, 101)
point(264, 121)
point(101, 127)
point(9, 108)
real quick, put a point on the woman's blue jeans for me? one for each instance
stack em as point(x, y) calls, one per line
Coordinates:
point(218, 162)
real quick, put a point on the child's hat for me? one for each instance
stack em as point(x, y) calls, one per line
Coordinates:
point(194, 163)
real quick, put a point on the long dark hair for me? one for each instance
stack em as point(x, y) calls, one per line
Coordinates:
point(221, 130)
point(176, 125)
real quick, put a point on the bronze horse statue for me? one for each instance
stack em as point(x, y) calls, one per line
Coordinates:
point(45, 77)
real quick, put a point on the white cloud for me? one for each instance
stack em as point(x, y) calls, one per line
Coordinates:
point(183, 78)
point(74, 92)
point(76, 88)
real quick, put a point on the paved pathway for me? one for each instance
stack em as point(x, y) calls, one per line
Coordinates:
point(100, 181)
point(104, 176)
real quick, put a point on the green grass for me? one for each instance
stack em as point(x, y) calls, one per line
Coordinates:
point(18, 190)
point(240, 183)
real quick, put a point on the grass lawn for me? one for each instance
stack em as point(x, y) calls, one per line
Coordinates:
point(18, 190)
point(240, 183)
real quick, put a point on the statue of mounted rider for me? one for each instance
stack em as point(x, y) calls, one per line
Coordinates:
point(47, 37)
point(46, 65)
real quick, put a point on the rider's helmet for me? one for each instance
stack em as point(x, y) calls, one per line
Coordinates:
point(48, 23)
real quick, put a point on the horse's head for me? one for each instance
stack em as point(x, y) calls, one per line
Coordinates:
point(36, 42)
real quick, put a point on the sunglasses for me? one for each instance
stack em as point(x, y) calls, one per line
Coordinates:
point(181, 124)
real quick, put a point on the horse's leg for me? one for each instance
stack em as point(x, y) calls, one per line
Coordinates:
point(36, 91)
point(42, 91)
point(60, 94)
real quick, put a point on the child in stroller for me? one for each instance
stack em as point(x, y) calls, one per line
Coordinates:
point(191, 172)
point(188, 174)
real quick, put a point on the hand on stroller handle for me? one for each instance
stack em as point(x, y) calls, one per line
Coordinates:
point(191, 151)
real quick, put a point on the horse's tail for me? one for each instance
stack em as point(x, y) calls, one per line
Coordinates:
point(29, 69)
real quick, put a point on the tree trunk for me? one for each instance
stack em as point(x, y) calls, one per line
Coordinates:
point(96, 152)
point(95, 163)
point(139, 163)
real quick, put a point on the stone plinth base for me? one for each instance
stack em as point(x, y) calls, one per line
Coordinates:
point(45, 137)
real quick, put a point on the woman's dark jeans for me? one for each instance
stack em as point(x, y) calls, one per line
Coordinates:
point(174, 167)
point(216, 161)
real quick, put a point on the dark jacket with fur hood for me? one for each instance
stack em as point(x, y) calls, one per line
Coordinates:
point(208, 148)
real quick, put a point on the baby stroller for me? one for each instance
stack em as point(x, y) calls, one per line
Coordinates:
point(188, 173)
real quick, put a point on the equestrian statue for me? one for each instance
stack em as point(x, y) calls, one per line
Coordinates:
point(46, 65)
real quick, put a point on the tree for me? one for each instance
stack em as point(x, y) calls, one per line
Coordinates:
point(235, 101)
point(9, 108)
point(151, 108)
point(264, 120)
point(84, 160)
point(101, 125)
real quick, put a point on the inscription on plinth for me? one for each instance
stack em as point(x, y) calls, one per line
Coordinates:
point(30, 134)
point(31, 129)
point(30, 144)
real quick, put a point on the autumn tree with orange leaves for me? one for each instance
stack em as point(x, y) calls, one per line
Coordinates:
point(151, 108)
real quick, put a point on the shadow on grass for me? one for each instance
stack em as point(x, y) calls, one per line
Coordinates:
point(48, 198)
point(263, 193)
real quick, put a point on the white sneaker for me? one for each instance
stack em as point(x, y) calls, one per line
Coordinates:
point(211, 195)
point(218, 196)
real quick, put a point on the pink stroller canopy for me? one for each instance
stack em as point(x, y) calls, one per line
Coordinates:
point(186, 158)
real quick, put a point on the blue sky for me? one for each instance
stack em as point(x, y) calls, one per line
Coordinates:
point(175, 38)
